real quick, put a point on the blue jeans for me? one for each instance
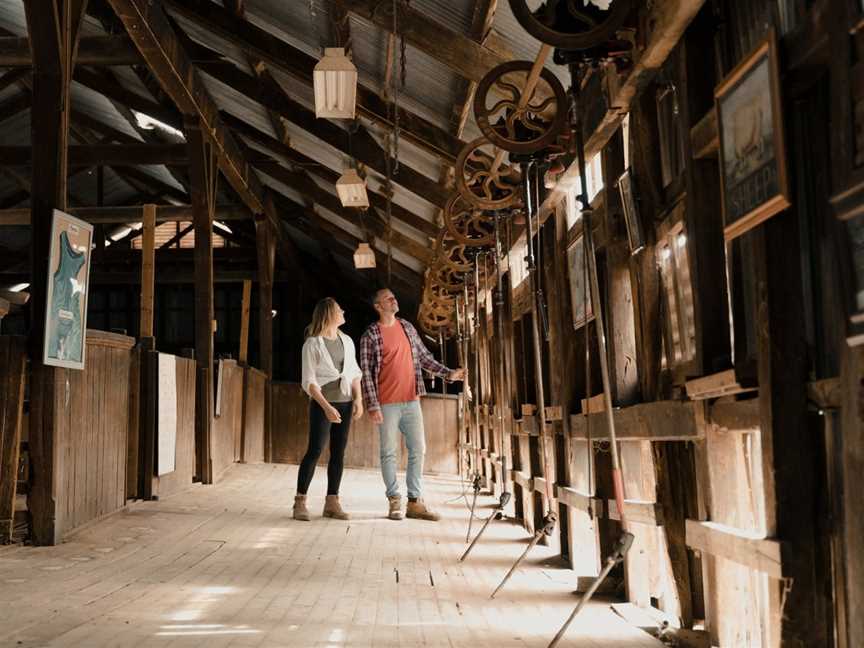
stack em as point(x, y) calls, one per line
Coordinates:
point(406, 418)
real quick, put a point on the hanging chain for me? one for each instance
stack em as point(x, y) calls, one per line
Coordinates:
point(313, 19)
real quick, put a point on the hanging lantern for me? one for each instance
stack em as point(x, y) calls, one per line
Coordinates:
point(364, 257)
point(335, 81)
point(352, 189)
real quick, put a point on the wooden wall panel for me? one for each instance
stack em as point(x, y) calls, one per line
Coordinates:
point(13, 354)
point(252, 446)
point(184, 458)
point(291, 433)
point(290, 422)
point(91, 432)
point(228, 425)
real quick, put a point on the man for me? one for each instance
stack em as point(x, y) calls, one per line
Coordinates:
point(392, 358)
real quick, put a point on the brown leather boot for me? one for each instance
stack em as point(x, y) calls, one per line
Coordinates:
point(300, 510)
point(419, 511)
point(333, 509)
point(395, 512)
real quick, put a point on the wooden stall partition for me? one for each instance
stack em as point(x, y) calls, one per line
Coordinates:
point(254, 398)
point(133, 442)
point(13, 360)
point(91, 428)
point(181, 477)
point(290, 422)
point(228, 422)
point(291, 433)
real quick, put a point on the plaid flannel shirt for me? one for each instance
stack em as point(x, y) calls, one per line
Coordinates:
point(370, 362)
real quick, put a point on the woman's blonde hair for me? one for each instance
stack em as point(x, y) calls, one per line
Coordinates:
point(324, 313)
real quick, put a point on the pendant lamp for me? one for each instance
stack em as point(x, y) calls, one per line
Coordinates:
point(364, 257)
point(335, 81)
point(352, 190)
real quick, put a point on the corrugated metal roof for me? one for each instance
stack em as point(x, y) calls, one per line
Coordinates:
point(12, 17)
point(522, 45)
point(453, 14)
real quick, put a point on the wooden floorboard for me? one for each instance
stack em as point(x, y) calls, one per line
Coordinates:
point(226, 566)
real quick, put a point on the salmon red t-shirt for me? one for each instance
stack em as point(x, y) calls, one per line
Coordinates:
point(397, 382)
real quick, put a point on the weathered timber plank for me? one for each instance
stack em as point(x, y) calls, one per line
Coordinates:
point(761, 554)
point(641, 512)
point(659, 421)
point(740, 415)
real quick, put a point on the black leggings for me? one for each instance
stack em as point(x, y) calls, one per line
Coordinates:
point(319, 427)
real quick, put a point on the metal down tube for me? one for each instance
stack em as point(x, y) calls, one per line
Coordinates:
point(588, 239)
point(626, 540)
point(617, 556)
point(548, 529)
point(499, 322)
point(475, 450)
point(499, 511)
point(476, 332)
point(551, 518)
point(460, 355)
point(535, 330)
point(476, 487)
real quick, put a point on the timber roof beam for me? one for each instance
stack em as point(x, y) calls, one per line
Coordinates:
point(148, 26)
point(262, 45)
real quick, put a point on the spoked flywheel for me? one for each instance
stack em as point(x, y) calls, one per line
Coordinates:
point(485, 178)
point(571, 24)
point(515, 123)
point(468, 224)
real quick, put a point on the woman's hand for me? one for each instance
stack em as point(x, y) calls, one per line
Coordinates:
point(376, 416)
point(357, 409)
point(332, 414)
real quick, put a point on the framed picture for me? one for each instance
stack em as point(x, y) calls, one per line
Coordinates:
point(755, 184)
point(635, 237)
point(580, 295)
point(68, 277)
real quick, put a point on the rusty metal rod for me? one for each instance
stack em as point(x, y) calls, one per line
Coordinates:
point(548, 528)
point(502, 502)
point(617, 555)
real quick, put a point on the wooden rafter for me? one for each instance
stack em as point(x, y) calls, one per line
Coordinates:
point(311, 190)
point(246, 130)
point(262, 45)
point(364, 147)
point(149, 29)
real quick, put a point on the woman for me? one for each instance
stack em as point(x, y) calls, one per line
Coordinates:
point(331, 377)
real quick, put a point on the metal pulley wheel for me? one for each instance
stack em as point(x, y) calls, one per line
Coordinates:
point(571, 24)
point(467, 224)
point(447, 278)
point(432, 322)
point(453, 254)
point(484, 178)
point(514, 123)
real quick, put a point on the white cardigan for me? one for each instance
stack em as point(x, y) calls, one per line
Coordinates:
point(318, 367)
